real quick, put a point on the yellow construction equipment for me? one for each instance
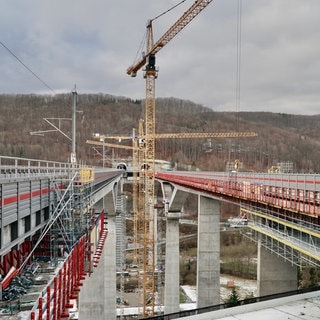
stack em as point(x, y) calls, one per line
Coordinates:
point(110, 145)
point(189, 135)
point(144, 153)
point(146, 178)
point(143, 224)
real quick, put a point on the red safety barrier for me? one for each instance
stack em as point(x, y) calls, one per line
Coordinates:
point(40, 309)
point(55, 298)
point(48, 304)
point(99, 250)
point(7, 279)
point(65, 286)
point(64, 313)
point(15, 258)
point(69, 281)
point(59, 294)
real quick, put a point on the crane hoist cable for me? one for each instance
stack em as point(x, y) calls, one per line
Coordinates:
point(197, 7)
point(163, 13)
point(238, 63)
point(238, 59)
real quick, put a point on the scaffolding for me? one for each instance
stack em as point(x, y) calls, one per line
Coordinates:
point(296, 241)
point(70, 215)
point(120, 246)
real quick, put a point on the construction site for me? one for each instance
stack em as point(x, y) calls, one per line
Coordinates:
point(61, 221)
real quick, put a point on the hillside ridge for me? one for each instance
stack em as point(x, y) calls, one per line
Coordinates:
point(281, 137)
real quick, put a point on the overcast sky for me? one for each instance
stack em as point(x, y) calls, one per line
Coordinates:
point(91, 43)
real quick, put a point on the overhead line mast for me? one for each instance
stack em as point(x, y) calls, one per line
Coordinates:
point(146, 179)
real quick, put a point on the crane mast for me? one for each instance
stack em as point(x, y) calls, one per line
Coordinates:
point(146, 188)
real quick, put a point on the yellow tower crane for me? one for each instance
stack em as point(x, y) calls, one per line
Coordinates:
point(144, 152)
point(147, 176)
point(147, 150)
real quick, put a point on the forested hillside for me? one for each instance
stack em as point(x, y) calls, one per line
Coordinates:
point(281, 137)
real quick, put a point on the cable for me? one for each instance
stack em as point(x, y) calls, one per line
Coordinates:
point(238, 68)
point(140, 51)
point(21, 62)
point(163, 13)
point(238, 72)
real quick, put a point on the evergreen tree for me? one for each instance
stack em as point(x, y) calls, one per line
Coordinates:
point(233, 299)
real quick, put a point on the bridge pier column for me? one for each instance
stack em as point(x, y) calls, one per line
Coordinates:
point(274, 274)
point(171, 291)
point(208, 262)
point(98, 206)
point(109, 203)
point(97, 298)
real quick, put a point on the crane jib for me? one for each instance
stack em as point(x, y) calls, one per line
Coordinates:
point(182, 22)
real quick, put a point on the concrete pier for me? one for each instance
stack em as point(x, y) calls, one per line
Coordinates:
point(171, 291)
point(208, 262)
point(274, 274)
point(97, 298)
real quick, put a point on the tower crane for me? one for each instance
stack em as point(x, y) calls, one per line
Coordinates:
point(146, 179)
point(144, 152)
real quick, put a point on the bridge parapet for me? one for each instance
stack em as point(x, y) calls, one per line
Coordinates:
point(15, 168)
point(297, 193)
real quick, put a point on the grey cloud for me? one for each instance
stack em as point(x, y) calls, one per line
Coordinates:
point(92, 43)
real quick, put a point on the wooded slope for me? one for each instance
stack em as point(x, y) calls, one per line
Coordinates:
point(281, 137)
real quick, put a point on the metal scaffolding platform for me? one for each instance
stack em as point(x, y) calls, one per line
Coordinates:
point(296, 241)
